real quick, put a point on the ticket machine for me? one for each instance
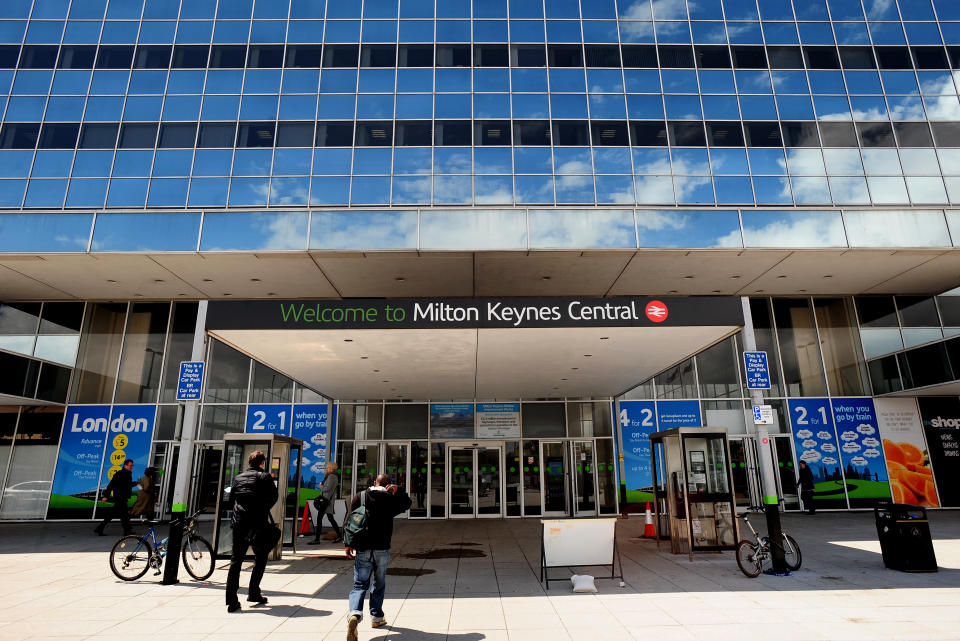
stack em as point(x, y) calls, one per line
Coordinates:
point(693, 485)
point(283, 464)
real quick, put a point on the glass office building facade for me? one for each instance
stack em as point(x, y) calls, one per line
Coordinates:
point(775, 149)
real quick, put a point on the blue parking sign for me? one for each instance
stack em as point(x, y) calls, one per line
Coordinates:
point(190, 384)
point(757, 370)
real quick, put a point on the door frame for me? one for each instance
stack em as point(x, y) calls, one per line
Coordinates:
point(573, 478)
point(474, 448)
point(406, 473)
point(567, 482)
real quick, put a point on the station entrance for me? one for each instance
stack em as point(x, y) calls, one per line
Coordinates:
point(480, 408)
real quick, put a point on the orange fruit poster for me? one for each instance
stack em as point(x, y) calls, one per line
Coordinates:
point(908, 464)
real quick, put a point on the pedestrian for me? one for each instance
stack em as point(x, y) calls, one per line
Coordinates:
point(329, 490)
point(119, 489)
point(252, 495)
point(805, 481)
point(146, 494)
point(382, 502)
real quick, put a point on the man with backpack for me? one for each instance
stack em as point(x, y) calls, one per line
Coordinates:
point(367, 533)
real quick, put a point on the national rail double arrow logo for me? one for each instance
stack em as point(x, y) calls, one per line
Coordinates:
point(656, 311)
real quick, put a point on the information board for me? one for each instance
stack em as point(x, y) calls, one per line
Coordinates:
point(190, 383)
point(130, 437)
point(268, 419)
point(861, 452)
point(905, 449)
point(310, 426)
point(757, 370)
point(75, 481)
point(498, 420)
point(815, 443)
point(941, 425)
point(678, 414)
point(637, 421)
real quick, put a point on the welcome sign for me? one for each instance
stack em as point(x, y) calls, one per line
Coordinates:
point(466, 313)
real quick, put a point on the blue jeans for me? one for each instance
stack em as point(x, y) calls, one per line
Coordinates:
point(369, 564)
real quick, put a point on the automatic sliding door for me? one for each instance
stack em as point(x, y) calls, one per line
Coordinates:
point(489, 484)
point(585, 484)
point(461, 483)
point(554, 479)
point(395, 462)
point(366, 465)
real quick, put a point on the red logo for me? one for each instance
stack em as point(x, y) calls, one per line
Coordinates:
point(656, 311)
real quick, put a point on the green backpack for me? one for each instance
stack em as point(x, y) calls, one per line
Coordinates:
point(355, 529)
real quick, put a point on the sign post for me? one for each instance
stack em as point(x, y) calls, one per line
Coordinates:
point(758, 377)
point(192, 385)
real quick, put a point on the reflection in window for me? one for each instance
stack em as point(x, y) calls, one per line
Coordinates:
point(688, 228)
point(269, 386)
point(588, 419)
point(677, 381)
point(793, 229)
point(886, 228)
point(252, 231)
point(31, 465)
point(717, 370)
point(99, 353)
point(360, 422)
point(582, 228)
point(218, 420)
point(228, 372)
point(838, 342)
point(799, 348)
point(363, 230)
point(473, 229)
point(142, 357)
point(179, 347)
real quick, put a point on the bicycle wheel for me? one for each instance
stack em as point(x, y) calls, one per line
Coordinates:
point(791, 553)
point(130, 558)
point(197, 557)
point(747, 558)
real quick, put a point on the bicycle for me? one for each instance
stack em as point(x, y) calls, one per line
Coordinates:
point(751, 555)
point(133, 555)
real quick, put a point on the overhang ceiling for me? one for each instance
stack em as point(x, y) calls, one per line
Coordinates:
point(472, 363)
point(241, 275)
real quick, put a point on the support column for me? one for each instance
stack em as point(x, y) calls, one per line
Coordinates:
point(190, 412)
point(768, 481)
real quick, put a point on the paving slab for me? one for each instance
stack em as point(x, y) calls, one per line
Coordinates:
point(56, 584)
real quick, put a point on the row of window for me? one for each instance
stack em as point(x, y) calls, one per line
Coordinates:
point(523, 9)
point(481, 55)
point(464, 133)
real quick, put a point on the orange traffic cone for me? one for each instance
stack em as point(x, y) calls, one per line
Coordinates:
point(648, 529)
point(305, 521)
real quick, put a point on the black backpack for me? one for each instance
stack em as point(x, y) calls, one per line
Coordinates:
point(355, 528)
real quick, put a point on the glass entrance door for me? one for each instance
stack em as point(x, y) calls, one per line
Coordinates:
point(554, 478)
point(743, 464)
point(396, 465)
point(786, 474)
point(366, 465)
point(476, 482)
point(584, 479)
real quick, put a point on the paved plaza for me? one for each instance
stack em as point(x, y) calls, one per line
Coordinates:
point(55, 583)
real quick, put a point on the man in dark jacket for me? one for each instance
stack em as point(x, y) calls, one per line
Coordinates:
point(120, 488)
point(382, 502)
point(252, 495)
point(805, 481)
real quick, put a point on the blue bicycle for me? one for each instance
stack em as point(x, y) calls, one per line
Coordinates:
point(133, 555)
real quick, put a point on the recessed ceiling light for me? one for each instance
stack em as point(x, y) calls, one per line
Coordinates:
point(802, 290)
point(716, 291)
point(563, 379)
point(672, 291)
point(271, 294)
point(348, 340)
point(545, 277)
point(254, 280)
point(829, 276)
point(227, 294)
point(574, 368)
point(159, 280)
point(375, 371)
point(759, 291)
point(734, 277)
point(138, 295)
point(384, 381)
point(604, 338)
point(363, 358)
point(688, 277)
point(208, 280)
point(400, 279)
point(781, 276)
point(556, 388)
point(587, 355)
point(110, 280)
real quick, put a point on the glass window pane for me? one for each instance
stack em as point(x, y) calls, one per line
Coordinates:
point(717, 370)
point(269, 386)
point(688, 228)
point(34, 456)
point(582, 228)
point(363, 230)
point(793, 229)
point(218, 420)
point(799, 347)
point(228, 372)
point(677, 381)
point(19, 318)
point(99, 353)
point(473, 229)
point(838, 343)
point(252, 231)
point(146, 232)
point(762, 316)
point(44, 232)
point(589, 419)
point(179, 347)
point(405, 421)
point(142, 355)
point(360, 422)
point(890, 228)
point(543, 420)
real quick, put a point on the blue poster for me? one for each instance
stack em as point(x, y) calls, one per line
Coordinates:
point(130, 437)
point(815, 443)
point(678, 414)
point(757, 370)
point(268, 419)
point(861, 451)
point(637, 421)
point(310, 426)
point(451, 420)
point(74, 490)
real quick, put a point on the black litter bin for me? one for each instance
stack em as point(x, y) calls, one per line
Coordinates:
point(904, 534)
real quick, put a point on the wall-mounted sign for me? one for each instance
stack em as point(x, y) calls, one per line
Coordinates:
point(815, 443)
point(861, 451)
point(757, 370)
point(190, 383)
point(678, 414)
point(475, 313)
point(941, 424)
point(637, 421)
point(498, 420)
point(451, 420)
point(268, 419)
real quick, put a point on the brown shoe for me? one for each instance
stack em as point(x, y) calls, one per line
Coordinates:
point(352, 624)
